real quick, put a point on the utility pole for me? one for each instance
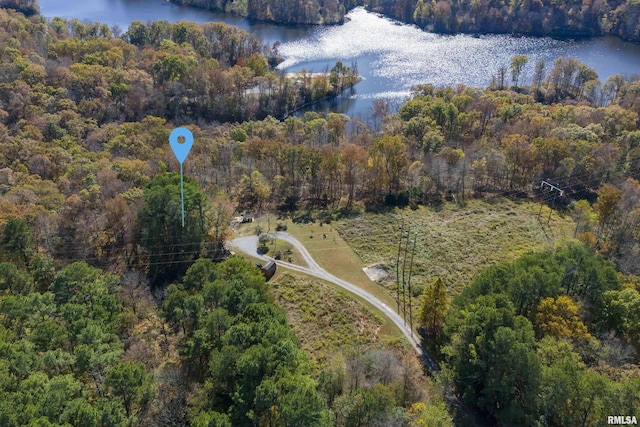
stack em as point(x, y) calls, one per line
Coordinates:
point(413, 252)
point(398, 264)
point(540, 211)
point(556, 190)
point(553, 202)
point(404, 268)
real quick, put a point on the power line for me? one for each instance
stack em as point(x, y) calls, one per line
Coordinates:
point(552, 189)
point(413, 252)
point(398, 265)
point(404, 267)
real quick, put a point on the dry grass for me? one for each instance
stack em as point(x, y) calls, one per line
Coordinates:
point(326, 318)
point(454, 243)
point(286, 251)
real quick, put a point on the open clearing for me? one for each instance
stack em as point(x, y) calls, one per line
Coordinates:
point(328, 249)
point(248, 245)
point(453, 243)
point(327, 319)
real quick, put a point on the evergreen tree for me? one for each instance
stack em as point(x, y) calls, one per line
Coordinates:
point(172, 247)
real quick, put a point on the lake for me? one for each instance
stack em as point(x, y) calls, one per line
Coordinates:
point(391, 57)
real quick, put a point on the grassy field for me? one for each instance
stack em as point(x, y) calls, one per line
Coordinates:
point(453, 243)
point(286, 251)
point(330, 251)
point(326, 318)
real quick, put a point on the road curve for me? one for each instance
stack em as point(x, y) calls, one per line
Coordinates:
point(249, 244)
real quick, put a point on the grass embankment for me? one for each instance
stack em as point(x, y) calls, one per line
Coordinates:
point(327, 319)
point(329, 250)
point(454, 242)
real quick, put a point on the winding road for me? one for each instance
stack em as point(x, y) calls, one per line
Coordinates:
point(249, 245)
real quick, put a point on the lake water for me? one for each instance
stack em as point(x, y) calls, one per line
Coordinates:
point(391, 56)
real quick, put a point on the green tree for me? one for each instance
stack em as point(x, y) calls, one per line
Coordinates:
point(517, 64)
point(13, 280)
point(621, 313)
point(570, 393)
point(211, 419)
point(43, 270)
point(198, 275)
point(171, 247)
point(17, 239)
point(130, 382)
point(435, 303)
point(513, 377)
point(293, 401)
point(492, 357)
point(173, 306)
point(70, 281)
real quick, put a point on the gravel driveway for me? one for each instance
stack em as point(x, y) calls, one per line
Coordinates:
point(249, 245)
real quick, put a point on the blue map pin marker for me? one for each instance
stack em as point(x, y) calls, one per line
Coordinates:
point(181, 151)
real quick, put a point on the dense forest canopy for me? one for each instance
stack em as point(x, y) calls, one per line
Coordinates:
point(282, 11)
point(110, 314)
point(533, 341)
point(28, 7)
point(84, 127)
point(540, 17)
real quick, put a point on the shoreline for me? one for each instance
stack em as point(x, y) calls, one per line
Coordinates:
point(568, 36)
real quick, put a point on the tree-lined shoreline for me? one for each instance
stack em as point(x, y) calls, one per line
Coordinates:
point(571, 20)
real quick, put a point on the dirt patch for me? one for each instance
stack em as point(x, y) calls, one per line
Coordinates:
point(377, 273)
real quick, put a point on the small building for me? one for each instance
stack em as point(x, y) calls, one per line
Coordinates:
point(243, 219)
point(247, 218)
point(268, 270)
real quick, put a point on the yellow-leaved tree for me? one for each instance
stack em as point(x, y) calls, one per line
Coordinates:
point(435, 303)
point(559, 318)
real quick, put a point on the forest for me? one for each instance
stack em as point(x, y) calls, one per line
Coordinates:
point(316, 12)
point(111, 314)
point(549, 339)
point(28, 7)
point(573, 19)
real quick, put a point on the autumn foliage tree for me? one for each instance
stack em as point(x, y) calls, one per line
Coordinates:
point(559, 318)
point(435, 303)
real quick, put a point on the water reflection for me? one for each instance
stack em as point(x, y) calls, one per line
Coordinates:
point(123, 12)
point(391, 57)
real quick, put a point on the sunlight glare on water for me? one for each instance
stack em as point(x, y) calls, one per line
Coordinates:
point(391, 57)
point(399, 56)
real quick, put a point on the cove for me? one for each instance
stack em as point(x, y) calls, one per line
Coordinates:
point(391, 57)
